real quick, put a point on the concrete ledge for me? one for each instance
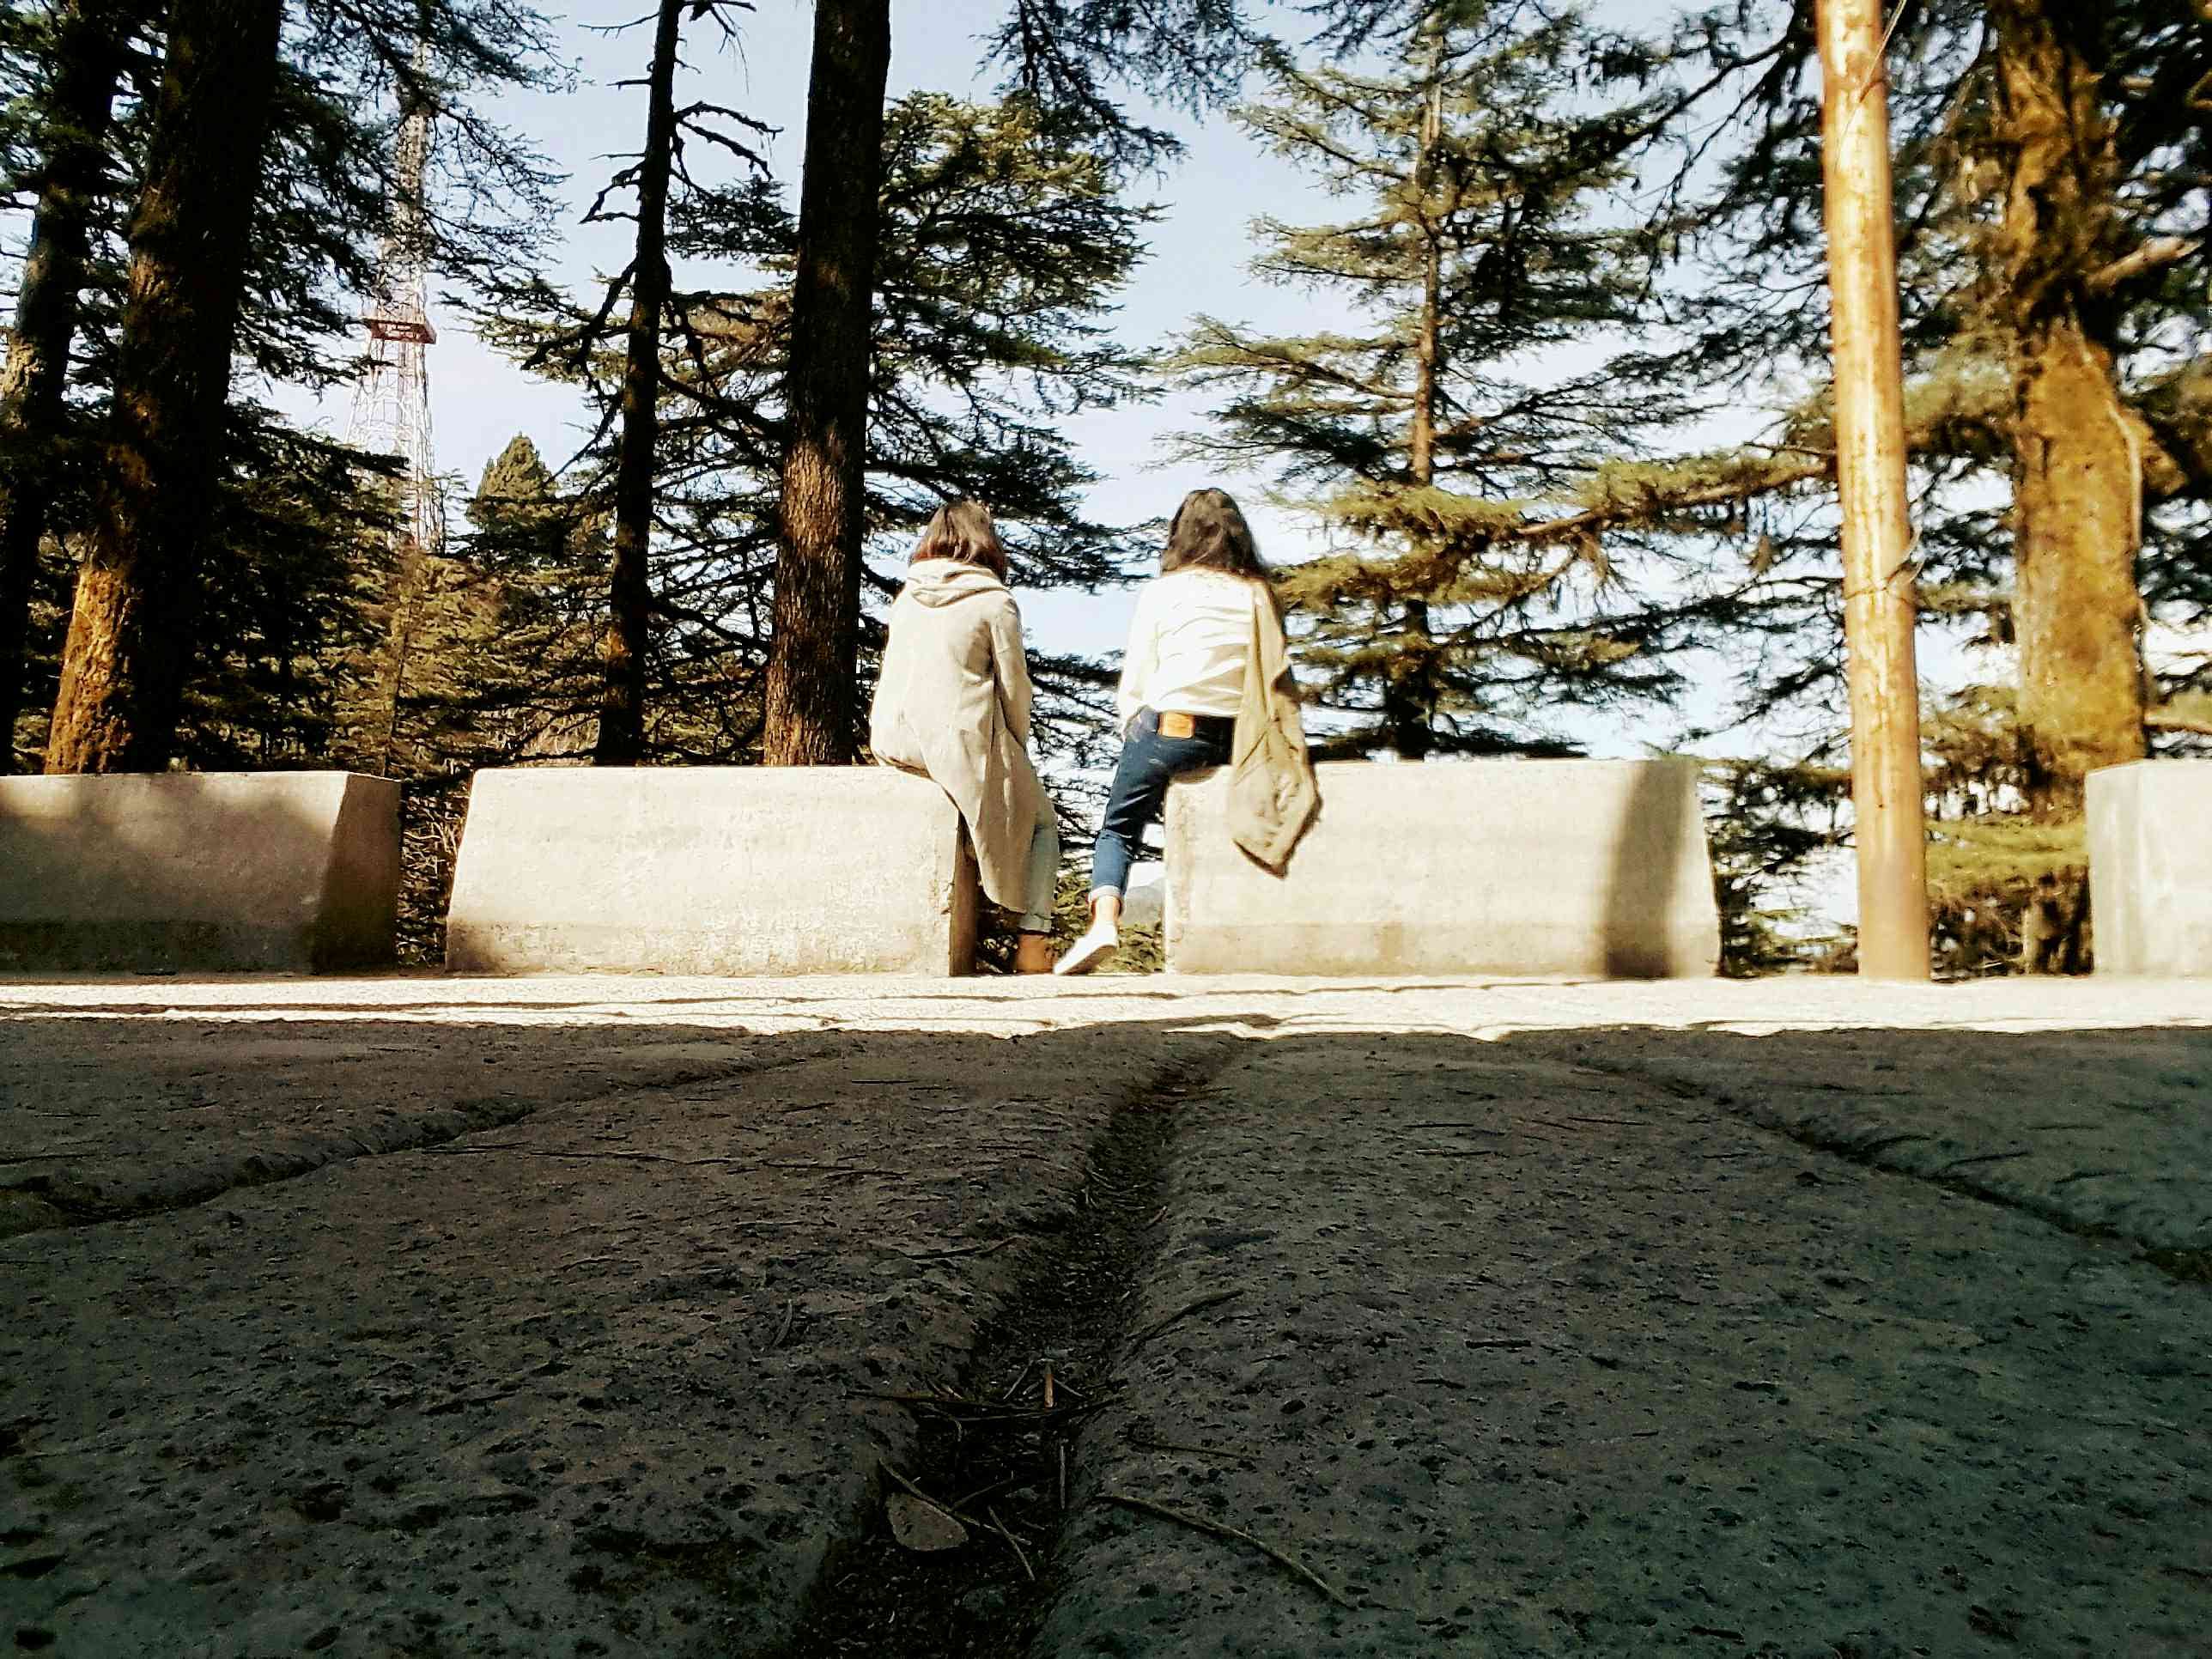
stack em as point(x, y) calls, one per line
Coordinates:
point(712, 870)
point(2150, 868)
point(282, 871)
point(1583, 868)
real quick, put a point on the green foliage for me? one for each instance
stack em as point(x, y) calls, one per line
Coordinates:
point(1456, 446)
point(299, 574)
point(1002, 247)
point(1765, 821)
point(1982, 876)
point(1741, 172)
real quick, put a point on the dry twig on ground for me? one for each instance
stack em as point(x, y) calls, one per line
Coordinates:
point(1198, 1523)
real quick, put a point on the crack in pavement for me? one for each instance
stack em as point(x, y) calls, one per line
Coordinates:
point(42, 1202)
point(2186, 1265)
point(1005, 1429)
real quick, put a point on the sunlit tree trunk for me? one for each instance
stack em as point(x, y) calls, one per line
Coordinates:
point(2078, 448)
point(814, 657)
point(88, 63)
point(129, 639)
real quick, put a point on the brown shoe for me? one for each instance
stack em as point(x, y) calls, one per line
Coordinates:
point(1033, 953)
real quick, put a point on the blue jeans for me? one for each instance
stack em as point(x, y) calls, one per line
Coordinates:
point(1149, 763)
point(1043, 887)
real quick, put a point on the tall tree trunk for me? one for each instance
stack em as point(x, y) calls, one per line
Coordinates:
point(814, 657)
point(123, 668)
point(2077, 447)
point(88, 56)
point(1409, 695)
point(622, 704)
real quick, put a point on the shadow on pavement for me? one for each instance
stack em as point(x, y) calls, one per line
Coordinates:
point(367, 1336)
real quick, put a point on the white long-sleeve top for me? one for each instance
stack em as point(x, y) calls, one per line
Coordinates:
point(1188, 645)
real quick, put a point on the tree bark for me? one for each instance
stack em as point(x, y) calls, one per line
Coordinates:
point(2078, 448)
point(88, 63)
point(1881, 606)
point(813, 659)
point(621, 739)
point(123, 668)
point(1409, 692)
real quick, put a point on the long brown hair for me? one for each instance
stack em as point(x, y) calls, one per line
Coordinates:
point(1209, 533)
point(963, 532)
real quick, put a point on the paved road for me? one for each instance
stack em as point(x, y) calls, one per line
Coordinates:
point(560, 1315)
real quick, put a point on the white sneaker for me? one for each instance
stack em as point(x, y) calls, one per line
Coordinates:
point(1094, 947)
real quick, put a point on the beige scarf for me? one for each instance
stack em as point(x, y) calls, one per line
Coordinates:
point(1272, 796)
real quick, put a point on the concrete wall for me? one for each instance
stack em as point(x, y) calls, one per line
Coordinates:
point(2150, 867)
point(1587, 868)
point(711, 870)
point(284, 871)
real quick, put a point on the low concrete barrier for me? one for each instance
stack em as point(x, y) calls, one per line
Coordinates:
point(711, 870)
point(1584, 868)
point(2150, 867)
point(282, 871)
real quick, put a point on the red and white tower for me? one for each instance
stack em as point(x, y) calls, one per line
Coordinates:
point(392, 405)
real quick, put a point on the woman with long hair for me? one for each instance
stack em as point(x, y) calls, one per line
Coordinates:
point(1204, 682)
point(952, 702)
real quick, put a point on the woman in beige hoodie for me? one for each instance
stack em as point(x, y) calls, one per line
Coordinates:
point(952, 702)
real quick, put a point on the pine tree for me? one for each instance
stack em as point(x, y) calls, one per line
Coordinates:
point(621, 740)
point(70, 108)
point(1461, 613)
point(2050, 163)
point(1001, 250)
point(2049, 168)
point(820, 525)
point(1068, 59)
point(318, 213)
point(123, 673)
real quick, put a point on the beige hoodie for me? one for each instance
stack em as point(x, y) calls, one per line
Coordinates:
point(952, 702)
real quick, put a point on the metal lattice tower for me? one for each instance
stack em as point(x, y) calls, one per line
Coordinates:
point(392, 405)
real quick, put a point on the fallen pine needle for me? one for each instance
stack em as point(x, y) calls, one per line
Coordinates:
point(964, 1249)
point(1181, 1446)
point(1028, 1571)
point(1198, 1523)
point(1199, 1306)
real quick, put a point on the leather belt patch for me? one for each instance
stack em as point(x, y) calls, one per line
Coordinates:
point(1178, 726)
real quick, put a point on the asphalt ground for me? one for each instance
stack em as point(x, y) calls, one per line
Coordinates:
point(412, 1314)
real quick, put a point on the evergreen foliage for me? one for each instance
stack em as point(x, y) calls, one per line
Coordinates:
point(2050, 168)
point(347, 68)
point(1455, 448)
point(1001, 249)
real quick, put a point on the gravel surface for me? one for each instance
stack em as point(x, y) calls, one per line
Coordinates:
point(411, 1316)
point(599, 1381)
point(1521, 1359)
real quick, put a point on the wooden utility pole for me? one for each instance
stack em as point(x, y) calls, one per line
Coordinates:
point(1879, 600)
